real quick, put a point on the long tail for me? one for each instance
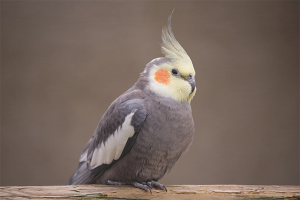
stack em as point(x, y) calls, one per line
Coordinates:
point(83, 175)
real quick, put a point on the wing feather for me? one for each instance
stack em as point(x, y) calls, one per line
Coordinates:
point(112, 139)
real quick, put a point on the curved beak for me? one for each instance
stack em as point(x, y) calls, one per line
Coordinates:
point(192, 82)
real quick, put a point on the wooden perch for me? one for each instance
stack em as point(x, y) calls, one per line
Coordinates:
point(175, 192)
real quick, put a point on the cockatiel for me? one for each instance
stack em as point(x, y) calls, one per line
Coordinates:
point(146, 129)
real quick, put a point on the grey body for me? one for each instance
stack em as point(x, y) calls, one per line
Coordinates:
point(163, 127)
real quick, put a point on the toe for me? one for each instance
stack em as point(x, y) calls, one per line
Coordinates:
point(158, 185)
point(141, 186)
point(150, 184)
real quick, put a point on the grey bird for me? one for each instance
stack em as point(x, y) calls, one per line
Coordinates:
point(146, 129)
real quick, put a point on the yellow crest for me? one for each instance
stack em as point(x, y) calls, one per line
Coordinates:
point(173, 50)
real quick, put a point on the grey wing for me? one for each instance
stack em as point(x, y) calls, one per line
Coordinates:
point(114, 137)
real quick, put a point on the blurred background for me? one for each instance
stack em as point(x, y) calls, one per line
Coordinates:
point(64, 62)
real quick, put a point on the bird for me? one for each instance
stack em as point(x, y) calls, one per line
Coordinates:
point(147, 128)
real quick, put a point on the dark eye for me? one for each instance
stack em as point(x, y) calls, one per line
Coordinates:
point(175, 72)
point(190, 76)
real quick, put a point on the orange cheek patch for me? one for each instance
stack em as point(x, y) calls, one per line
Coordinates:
point(162, 76)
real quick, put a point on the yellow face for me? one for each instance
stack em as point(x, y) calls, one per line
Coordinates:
point(175, 80)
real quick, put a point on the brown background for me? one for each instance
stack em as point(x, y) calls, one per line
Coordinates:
point(64, 62)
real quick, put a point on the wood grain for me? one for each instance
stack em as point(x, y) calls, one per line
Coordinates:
point(176, 192)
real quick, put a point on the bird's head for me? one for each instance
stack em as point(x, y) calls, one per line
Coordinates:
point(174, 75)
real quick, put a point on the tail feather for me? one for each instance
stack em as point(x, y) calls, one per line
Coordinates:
point(83, 175)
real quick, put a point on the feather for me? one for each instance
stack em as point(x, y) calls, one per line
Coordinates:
point(170, 46)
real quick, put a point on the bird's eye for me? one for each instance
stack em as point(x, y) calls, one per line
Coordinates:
point(190, 76)
point(175, 72)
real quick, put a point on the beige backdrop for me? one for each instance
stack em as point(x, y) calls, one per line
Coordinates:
point(64, 62)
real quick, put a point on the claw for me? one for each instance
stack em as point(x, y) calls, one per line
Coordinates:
point(142, 186)
point(165, 189)
point(158, 185)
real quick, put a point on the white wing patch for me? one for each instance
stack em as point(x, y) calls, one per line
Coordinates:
point(113, 147)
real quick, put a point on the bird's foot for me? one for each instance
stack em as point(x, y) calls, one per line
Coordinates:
point(142, 186)
point(109, 182)
point(156, 185)
point(149, 185)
